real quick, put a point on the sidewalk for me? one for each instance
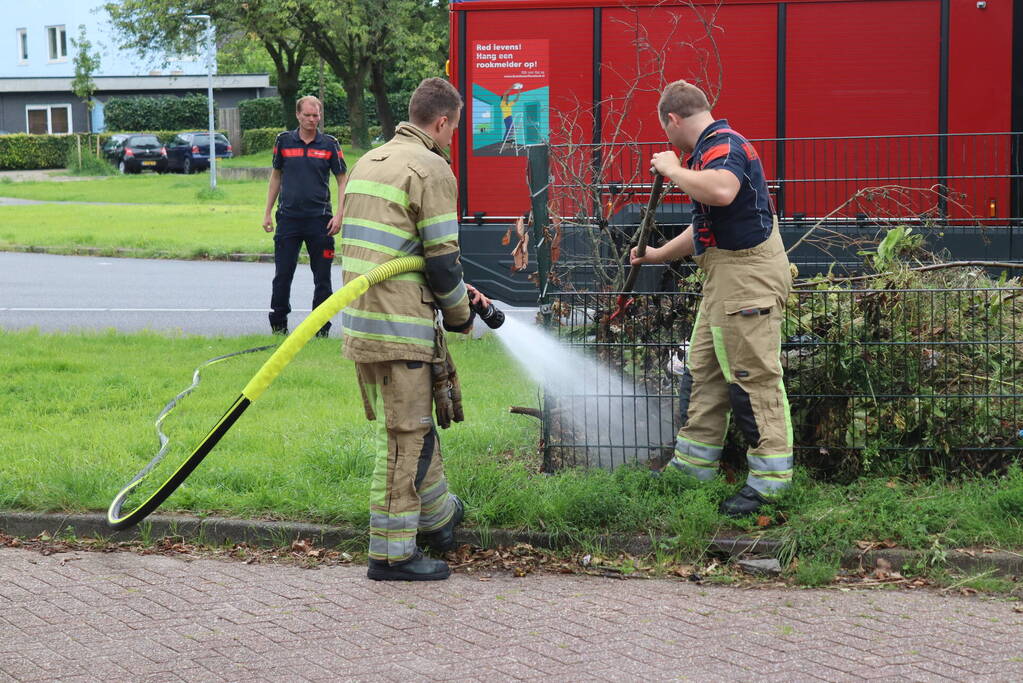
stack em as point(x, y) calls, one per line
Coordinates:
point(86, 616)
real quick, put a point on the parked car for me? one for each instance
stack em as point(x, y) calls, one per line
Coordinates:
point(137, 152)
point(113, 142)
point(189, 152)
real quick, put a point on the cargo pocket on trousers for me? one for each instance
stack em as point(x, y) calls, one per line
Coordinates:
point(751, 339)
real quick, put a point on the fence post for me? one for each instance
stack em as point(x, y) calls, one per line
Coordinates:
point(539, 181)
point(78, 142)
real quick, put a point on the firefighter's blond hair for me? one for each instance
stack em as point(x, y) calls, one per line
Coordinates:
point(682, 99)
point(308, 98)
point(434, 97)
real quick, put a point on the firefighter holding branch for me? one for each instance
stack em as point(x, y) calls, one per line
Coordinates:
point(734, 353)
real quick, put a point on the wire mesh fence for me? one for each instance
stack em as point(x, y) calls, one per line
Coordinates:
point(963, 192)
point(908, 378)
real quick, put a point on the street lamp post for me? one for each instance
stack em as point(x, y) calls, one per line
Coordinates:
point(209, 94)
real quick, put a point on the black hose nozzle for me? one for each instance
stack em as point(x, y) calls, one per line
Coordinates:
point(490, 314)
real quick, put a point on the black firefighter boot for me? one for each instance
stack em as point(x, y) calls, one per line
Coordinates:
point(745, 502)
point(419, 567)
point(443, 539)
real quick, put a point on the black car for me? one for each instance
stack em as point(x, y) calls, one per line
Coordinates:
point(137, 153)
point(189, 152)
point(112, 143)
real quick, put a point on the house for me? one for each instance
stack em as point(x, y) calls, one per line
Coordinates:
point(37, 68)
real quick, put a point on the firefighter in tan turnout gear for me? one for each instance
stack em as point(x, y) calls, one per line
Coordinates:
point(734, 353)
point(401, 201)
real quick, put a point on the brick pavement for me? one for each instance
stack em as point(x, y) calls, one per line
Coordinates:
point(87, 616)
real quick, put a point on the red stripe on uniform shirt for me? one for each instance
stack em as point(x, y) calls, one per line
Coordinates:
point(751, 153)
point(715, 152)
point(320, 153)
point(293, 152)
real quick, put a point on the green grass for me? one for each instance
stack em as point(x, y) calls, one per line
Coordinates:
point(264, 158)
point(77, 411)
point(143, 188)
point(172, 231)
point(169, 216)
point(154, 188)
point(257, 160)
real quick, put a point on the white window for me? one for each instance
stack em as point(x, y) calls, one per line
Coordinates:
point(22, 46)
point(52, 119)
point(58, 43)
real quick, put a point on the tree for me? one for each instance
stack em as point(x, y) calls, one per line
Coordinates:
point(419, 31)
point(162, 24)
point(369, 49)
point(343, 32)
point(86, 65)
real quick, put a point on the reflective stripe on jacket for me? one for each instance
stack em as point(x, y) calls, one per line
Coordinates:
point(401, 200)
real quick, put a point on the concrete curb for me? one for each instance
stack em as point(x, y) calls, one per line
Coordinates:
point(221, 530)
point(135, 253)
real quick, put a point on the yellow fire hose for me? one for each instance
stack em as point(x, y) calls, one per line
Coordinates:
point(117, 519)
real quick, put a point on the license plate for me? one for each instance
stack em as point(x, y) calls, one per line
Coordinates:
point(149, 163)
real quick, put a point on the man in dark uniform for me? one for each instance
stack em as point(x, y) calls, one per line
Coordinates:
point(734, 353)
point(303, 160)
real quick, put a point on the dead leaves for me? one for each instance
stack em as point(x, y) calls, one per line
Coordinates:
point(523, 559)
point(520, 254)
point(867, 546)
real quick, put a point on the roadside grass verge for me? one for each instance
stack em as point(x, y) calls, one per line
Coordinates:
point(187, 232)
point(258, 160)
point(145, 188)
point(265, 158)
point(143, 216)
point(76, 422)
point(154, 188)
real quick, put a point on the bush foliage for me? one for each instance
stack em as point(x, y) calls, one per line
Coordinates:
point(157, 113)
point(23, 152)
point(261, 139)
point(26, 152)
point(266, 112)
point(910, 372)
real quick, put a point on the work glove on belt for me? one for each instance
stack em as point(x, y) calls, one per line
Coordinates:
point(447, 392)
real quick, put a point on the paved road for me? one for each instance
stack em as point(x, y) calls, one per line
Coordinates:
point(57, 293)
point(61, 293)
point(86, 616)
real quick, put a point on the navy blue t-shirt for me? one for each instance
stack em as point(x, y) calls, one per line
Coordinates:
point(306, 171)
point(748, 220)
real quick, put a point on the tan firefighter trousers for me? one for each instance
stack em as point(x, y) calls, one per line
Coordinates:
point(735, 366)
point(408, 492)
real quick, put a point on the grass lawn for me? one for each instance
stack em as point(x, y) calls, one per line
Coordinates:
point(77, 411)
point(170, 231)
point(168, 216)
point(77, 421)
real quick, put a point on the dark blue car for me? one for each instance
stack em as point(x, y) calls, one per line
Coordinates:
point(190, 152)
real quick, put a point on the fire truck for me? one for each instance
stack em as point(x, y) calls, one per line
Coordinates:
point(837, 95)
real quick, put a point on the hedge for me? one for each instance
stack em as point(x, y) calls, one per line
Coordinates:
point(25, 152)
point(266, 112)
point(260, 139)
point(157, 113)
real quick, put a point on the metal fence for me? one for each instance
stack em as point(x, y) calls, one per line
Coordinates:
point(924, 378)
point(963, 192)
